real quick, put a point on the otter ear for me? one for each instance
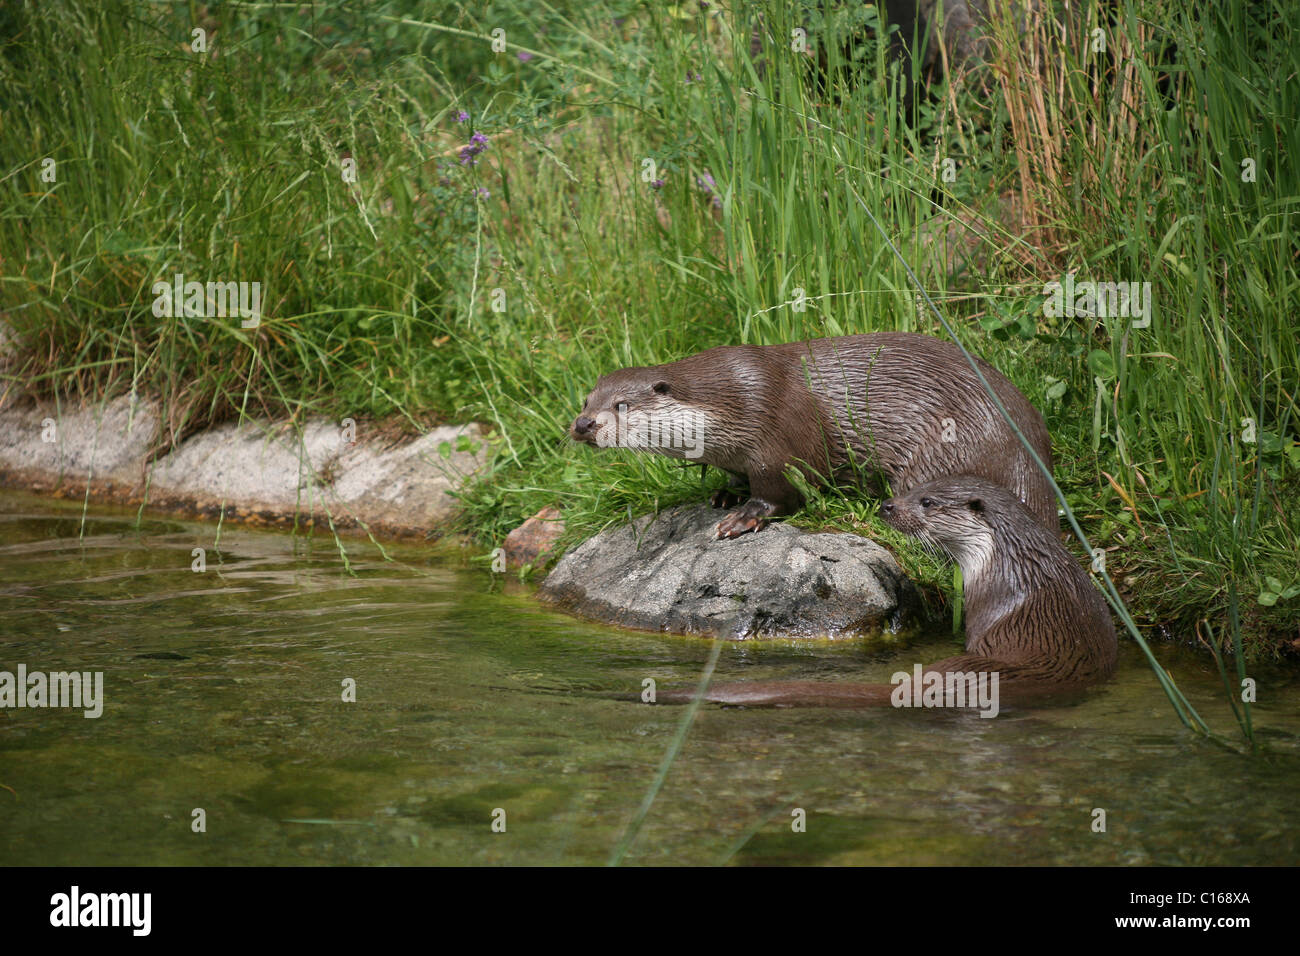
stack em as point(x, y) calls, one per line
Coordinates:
point(660, 388)
point(975, 504)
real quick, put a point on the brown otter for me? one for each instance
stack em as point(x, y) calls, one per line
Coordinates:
point(904, 405)
point(1032, 615)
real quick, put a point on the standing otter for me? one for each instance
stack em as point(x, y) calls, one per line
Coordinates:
point(1032, 615)
point(905, 405)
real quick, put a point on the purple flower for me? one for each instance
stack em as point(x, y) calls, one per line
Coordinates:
point(462, 117)
point(706, 183)
point(657, 184)
point(692, 77)
point(524, 56)
point(482, 193)
point(469, 153)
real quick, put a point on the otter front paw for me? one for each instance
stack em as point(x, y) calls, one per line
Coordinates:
point(751, 516)
point(738, 523)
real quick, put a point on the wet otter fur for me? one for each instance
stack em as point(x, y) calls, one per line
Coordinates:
point(902, 405)
point(1033, 615)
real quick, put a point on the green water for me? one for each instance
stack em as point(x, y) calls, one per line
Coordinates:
point(222, 691)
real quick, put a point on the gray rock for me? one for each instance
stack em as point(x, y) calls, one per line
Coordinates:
point(254, 471)
point(108, 441)
point(666, 572)
point(275, 469)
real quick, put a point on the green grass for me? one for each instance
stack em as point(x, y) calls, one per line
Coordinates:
point(407, 295)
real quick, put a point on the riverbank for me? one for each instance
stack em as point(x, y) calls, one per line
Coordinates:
point(344, 477)
point(440, 231)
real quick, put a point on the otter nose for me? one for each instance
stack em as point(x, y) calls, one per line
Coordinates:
point(887, 507)
point(583, 425)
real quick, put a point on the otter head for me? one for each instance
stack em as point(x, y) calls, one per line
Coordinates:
point(641, 408)
point(957, 513)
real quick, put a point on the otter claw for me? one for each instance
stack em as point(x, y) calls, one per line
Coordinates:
point(734, 525)
point(725, 498)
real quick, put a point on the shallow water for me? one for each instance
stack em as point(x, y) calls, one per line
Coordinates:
point(222, 691)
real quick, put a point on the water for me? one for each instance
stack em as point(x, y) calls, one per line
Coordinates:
point(223, 692)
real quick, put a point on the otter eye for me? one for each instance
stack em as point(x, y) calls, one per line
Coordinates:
point(976, 505)
point(660, 388)
point(927, 502)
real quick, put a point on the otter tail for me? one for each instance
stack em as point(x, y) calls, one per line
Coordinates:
point(1028, 681)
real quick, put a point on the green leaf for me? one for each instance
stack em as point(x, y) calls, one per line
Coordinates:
point(1101, 365)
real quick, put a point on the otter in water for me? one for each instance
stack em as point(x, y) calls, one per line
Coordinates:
point(1033, 617)
point(903, 405)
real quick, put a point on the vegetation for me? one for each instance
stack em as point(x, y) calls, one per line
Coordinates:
point(625, 183)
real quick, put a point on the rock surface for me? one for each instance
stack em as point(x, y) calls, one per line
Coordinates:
point(533, 539)
point(252, 471)
point(109, 441)
point(666, 572)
